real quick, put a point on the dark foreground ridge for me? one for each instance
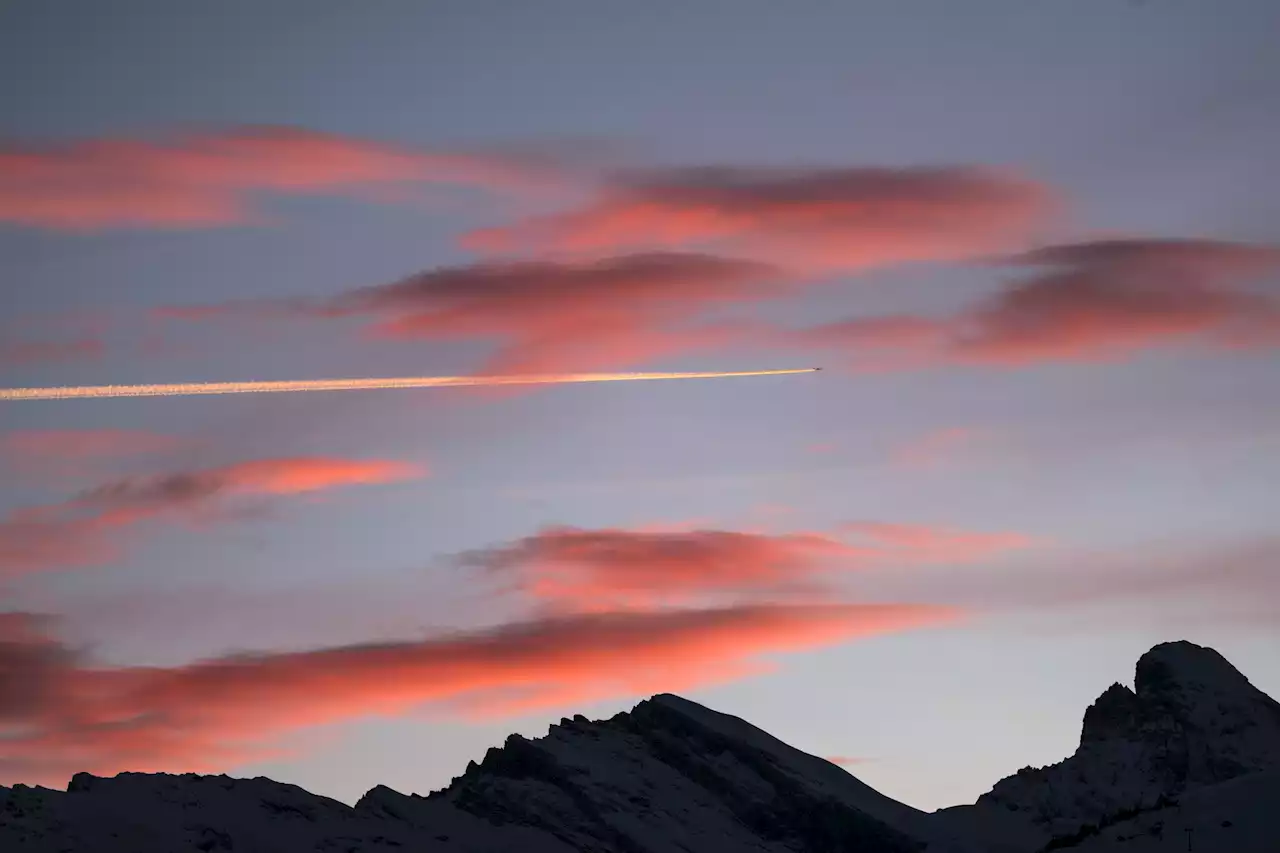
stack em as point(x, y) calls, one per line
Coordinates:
point(1193, 746)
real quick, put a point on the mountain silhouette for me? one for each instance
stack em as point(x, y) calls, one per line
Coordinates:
point(1189, 755)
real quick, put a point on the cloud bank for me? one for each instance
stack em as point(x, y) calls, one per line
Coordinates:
point(824, 218)
point(61, 714)
point(613, 568)
point(1092, 302)
point(550, 316)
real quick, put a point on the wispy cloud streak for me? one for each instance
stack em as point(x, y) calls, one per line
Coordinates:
point(200, 179)
point(66, 715)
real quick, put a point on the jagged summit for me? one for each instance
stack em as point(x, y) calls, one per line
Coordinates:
point(1170, 680)
point(1184, 688)
point(1192, 720)
point(1116, 713)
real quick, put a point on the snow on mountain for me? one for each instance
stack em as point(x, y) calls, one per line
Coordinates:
point(134, 812)
point(672, 775)
point(669, 775)
point(1237, 816)
point(1192, 745)
point(1191, 721)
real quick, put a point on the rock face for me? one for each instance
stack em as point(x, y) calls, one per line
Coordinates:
point(1192, 721)
point(1193, 748)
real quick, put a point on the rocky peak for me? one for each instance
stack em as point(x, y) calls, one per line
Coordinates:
point(1180, 674)
point(1181, 663)
point(1117, 713)
point(1192, 720)
point(1186, 694)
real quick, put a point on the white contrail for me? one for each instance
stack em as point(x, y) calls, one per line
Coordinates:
point(183, 389)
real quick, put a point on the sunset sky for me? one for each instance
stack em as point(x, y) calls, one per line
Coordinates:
point(1033, 245)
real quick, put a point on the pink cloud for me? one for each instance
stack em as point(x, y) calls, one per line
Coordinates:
point(614, 568)
point(641, 276)
point(207, 179)
point(84, 529)
point(565, 316)
point(552, 317)
point(841, 218)
point(1103, 301)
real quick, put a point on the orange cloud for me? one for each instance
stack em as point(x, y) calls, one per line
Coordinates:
point(196, 179)
point(608, 568)
point(615, 568)
point(1100, 301)
point(296, 475)
point(844, 218)
point(64, 715)
point(80, 531)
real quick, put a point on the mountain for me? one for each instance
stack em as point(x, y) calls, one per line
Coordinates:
point(669, 775)
point(1193, 745)
point(1190, 722)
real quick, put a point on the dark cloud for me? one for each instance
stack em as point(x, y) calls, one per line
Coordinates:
point(1093, 302)
point(550, 317)
point(842, 218)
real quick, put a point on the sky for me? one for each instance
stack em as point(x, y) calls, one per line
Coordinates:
point(1033, 247)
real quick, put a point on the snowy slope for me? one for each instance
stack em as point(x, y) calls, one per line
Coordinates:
point(672, 775)
point(151, 813)
point(1239, 816)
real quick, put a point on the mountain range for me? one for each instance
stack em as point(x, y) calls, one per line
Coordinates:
point(1189, 758)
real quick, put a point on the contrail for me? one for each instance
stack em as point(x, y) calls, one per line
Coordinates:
point(184, 389)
